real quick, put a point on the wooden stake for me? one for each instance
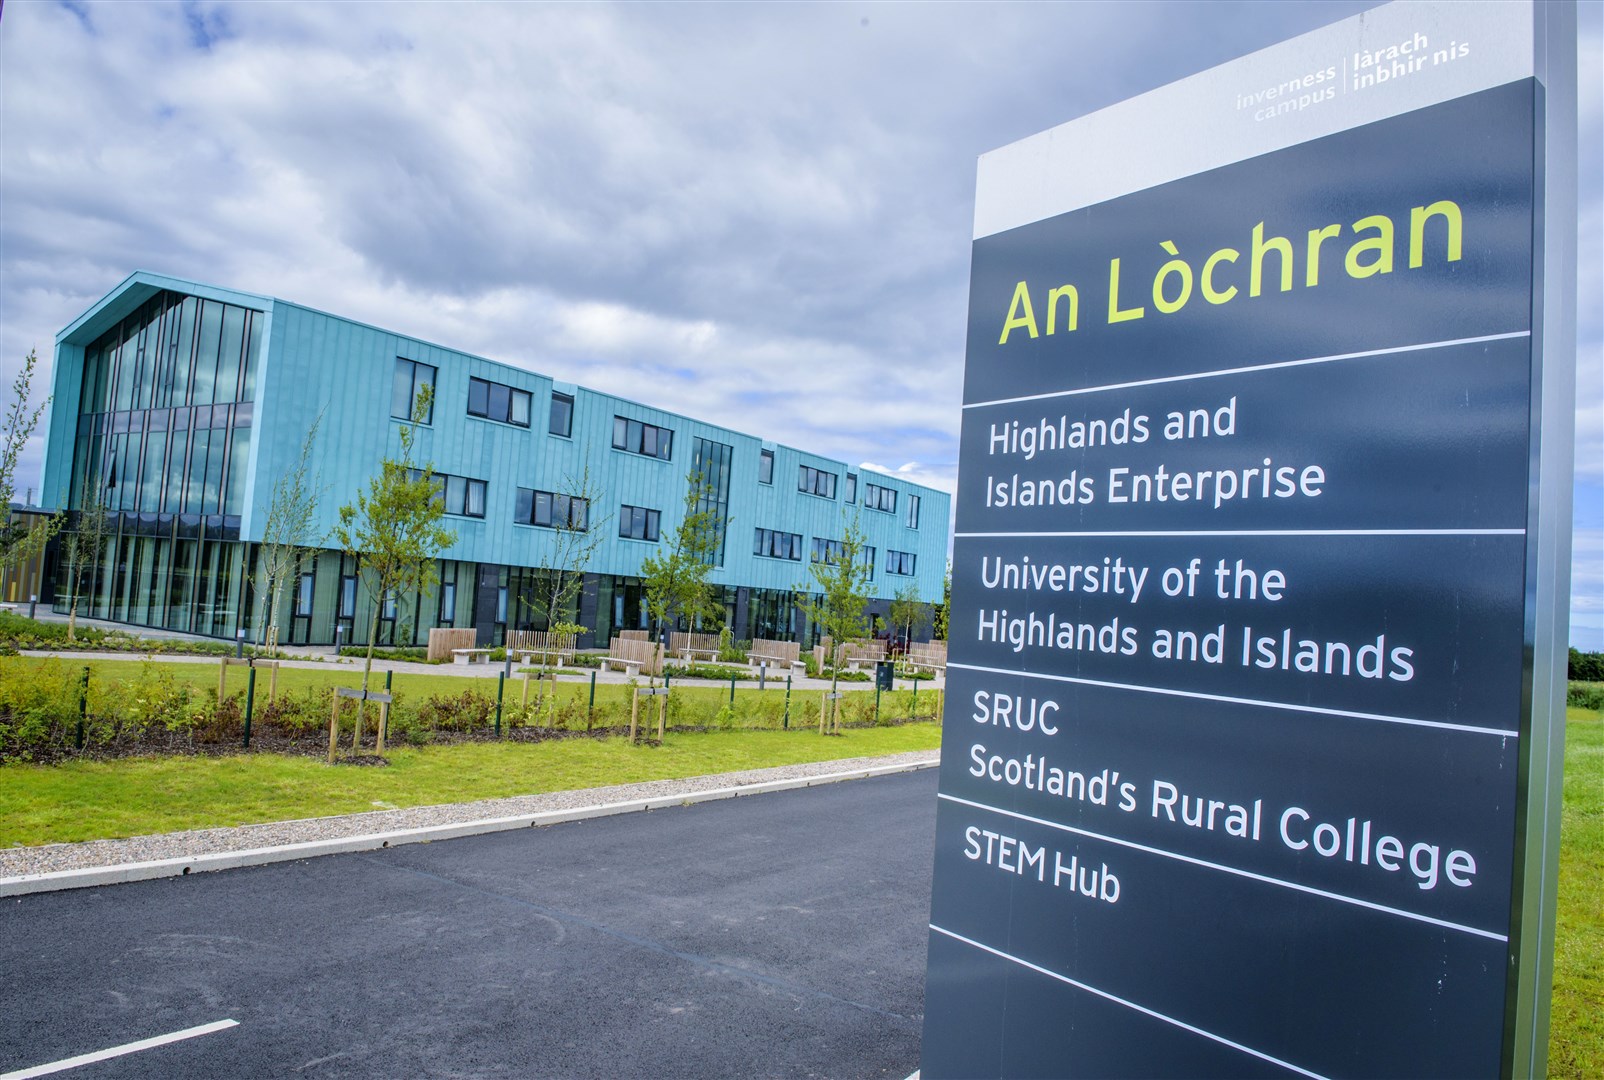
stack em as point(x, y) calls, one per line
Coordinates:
point(222, 679)
point(634, 714)
point(334, 725)
point(272, 684)
point(662, 716)
point(824, 703)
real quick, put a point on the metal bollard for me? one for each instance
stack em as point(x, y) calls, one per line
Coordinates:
point(250, 704)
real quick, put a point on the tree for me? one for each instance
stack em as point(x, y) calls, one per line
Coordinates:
point(676, 580)
point(287, 536)
point(907, 611)
point(570, 545)
point(393, 529)
point(86, 542)
point(938, 623)
point(837, 601)
point(20, 540)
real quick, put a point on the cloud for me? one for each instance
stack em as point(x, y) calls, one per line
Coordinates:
point(775, 199)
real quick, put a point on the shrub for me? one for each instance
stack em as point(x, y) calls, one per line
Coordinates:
point(1580, 695)
point(464, 712)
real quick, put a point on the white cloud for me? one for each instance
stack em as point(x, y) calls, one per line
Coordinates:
point(774, 198)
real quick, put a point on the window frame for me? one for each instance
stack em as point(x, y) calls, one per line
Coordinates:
point(809, 478)
point(634, 438)
point(651, 523)
point(879, 497)
point(412, 399)
point(911, 515)
point(765, 467)
point(550, 501)
point(568, 428)
point(513, 395)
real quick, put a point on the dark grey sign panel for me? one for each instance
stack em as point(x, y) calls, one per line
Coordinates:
point(1241, 645)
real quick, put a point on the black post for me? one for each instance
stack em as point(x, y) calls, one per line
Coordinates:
point(590, 713)
point(787, 721)
point(501, 688)
point(83, 706)
point(250, 703)
point(732, 691)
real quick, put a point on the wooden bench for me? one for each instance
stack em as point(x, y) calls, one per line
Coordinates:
point(857, 655)
point(628, 667)
point(777, 654)
point(932, 655)
point(528, 644)
point(470, 656)
point(692, 646)
point(631, 656)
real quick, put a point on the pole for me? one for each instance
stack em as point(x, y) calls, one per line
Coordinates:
point(501, 688)
point(877, 701)
point(590, 713)
point(732, 691)
point(786, 723)
point(914, 704)
point(384, 710)
point(334, 725)
point(634, 714)
point(272, 684)
point(83, 706)
point(250, 704)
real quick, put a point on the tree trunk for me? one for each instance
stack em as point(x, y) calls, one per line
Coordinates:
point(72, 619)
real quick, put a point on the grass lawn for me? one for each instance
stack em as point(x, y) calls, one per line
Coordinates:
point(1576, 1041)
point(96, 800)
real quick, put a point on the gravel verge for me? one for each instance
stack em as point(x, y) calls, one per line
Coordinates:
point(50, 858)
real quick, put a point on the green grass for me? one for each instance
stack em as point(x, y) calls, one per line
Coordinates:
point(97, 800)
point(1576, 1040)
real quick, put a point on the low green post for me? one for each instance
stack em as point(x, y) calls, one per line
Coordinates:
point(914, 704)
point(786, 723)
point(83, 707)
point(590, 713)
point(250, 704)
point(732, 691)
point(501, 688)
point(877, 701)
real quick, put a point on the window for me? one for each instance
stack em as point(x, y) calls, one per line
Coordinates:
point(765, 466)
point(463, 496)
point(876, 497)
point(501, 604)
point(562, 414)
point(637, 523)
point(448, 602)
point(913, 511)
point(347, 596)
point(389, 607)
point(411, 378)
point(303, 595)
point(646, 439)
point(868, 561)
point(816, 482)
point(551, 510)
point(852, 488)
point(899, 562)
point(828, 550)
point(772, 544)
point(493, 401)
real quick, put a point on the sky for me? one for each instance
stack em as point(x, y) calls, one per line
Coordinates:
point(707, 207)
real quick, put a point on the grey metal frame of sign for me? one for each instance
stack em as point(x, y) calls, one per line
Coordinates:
point(1548, 546)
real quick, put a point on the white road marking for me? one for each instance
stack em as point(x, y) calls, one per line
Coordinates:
point(119, 1051)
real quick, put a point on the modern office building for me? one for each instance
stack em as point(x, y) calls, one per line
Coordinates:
point(178, 404)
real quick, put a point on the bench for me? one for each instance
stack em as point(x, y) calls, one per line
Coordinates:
point(470, 656)
point(528, 644)
point(930, 656)
point(629, 667)
point(694, 646)
point(759, 659)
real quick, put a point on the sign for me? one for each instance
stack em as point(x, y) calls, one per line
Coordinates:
point(1255, 692)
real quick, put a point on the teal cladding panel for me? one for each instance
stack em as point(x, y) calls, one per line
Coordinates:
point(313, 363)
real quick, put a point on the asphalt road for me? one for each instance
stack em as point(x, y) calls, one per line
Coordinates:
point(778, 935)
